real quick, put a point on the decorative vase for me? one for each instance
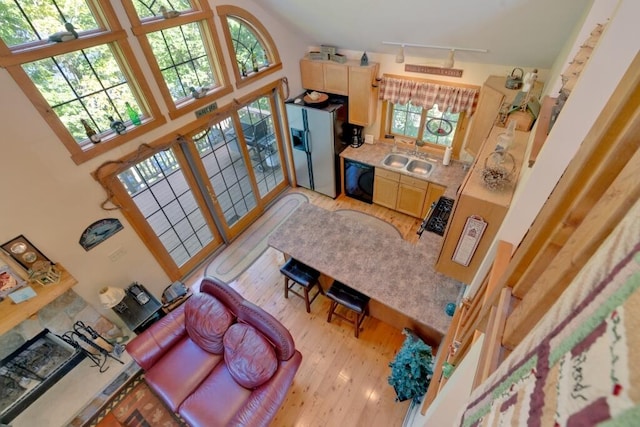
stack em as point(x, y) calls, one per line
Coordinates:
point(364, 60)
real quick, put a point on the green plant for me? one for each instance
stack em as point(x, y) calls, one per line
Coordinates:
point(412, 368)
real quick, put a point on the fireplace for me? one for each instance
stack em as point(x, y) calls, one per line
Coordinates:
point(32, 369)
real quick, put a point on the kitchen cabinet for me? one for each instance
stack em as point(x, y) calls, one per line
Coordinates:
point(404, 193)
point(385, 188)
point(411, 195)
point(325, 76)
point(357, 82)
point(434, 192)
point(474, 198)
point(363, 94)
point(492, 95)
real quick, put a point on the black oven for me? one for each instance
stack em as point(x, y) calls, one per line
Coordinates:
point(358, 180)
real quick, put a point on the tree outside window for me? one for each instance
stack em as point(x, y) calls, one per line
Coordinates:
point(250, 54)
point(81, 73)
point(431, 126)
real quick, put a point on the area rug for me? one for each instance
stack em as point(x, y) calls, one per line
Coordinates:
point(252, 243)
point(135, 405)
point(371, 221)
point(579, 367)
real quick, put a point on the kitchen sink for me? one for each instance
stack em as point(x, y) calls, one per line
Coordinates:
point(420, 167)
point(408, 164)
point(395, 160)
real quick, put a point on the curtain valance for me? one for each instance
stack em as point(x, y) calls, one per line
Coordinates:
point(425, 95)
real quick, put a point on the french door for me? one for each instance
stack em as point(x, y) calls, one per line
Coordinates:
point(187, 199)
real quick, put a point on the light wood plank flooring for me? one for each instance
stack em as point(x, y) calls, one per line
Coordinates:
point(342, 380)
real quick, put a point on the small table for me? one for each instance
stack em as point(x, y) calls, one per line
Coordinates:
point(139, 317)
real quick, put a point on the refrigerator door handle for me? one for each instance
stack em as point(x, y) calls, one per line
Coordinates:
point(307, 141)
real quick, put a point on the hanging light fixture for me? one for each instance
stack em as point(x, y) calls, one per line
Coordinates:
point(448, 63)
point(400, 55)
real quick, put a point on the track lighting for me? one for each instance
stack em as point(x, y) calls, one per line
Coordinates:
point(448, 63)
point(400, 55)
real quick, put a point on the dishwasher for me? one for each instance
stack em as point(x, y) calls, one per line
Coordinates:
point(358, 180)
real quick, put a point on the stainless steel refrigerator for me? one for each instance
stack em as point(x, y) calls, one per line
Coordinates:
point(316, 146)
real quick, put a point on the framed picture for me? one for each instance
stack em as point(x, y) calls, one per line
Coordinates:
point(23, 251)
point(9, 281)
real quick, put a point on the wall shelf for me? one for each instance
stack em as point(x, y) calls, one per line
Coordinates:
point(12, 314)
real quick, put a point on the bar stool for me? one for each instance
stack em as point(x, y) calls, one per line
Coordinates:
point(341, 294)
point(302, 275)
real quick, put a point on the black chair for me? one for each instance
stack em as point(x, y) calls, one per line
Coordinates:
point(341, 294)
point(303, 275)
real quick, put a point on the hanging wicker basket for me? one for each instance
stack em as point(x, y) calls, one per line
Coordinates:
point(499, 169)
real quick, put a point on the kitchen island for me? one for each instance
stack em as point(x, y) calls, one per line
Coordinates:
point(398, 276)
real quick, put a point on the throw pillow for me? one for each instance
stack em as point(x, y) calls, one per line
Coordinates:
point(206, 321)
point(250, 358)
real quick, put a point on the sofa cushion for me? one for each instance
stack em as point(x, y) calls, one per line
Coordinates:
point(206, 321)
point(250, 358)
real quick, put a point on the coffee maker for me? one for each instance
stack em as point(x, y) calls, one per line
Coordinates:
point(356, 136)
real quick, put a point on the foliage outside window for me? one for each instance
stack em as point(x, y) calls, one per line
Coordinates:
point(74, 71)
point(183, 60)
point(179, 42)
point(431, 126)
point(249, 43)
point(153, 9)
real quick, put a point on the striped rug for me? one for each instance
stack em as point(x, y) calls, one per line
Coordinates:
point(252, 243)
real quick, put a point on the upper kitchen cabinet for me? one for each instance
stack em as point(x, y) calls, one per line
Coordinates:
point(357, 82)
point(492, 96)
point(363, 102)
point(325, 76)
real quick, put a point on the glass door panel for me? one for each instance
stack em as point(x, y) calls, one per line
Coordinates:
point(226, 171)
point(262, 144)
point(159, 189)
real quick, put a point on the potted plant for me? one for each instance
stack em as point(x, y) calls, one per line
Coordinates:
point(412, 368)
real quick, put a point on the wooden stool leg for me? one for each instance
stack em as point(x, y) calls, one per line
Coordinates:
point(306, 300)
point(286, 287)
point(331, 308)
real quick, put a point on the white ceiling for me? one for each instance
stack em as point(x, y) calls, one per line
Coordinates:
point(524, 33)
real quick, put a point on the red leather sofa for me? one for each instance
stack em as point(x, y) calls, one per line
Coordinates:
point(218, 360)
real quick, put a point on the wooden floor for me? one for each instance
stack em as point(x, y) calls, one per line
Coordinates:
point(342, 380)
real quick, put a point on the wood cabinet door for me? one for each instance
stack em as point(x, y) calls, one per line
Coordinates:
point(312, 75)
point(410, 199)
point(336, 78)
point(483, 119)
point(433, 194)
point(362, 99)
point(385, 192)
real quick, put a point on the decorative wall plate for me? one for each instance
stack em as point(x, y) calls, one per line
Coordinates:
point(99, 231)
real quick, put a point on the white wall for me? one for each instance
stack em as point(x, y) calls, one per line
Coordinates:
point(617, 48)
point(51, 200)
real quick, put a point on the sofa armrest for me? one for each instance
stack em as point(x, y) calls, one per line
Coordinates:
point(148, 347)
point(266, 400)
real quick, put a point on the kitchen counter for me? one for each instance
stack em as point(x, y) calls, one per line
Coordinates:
point(388, 269)
point(450, 176)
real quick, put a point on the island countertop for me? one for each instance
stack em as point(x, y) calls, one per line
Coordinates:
point(384, 267)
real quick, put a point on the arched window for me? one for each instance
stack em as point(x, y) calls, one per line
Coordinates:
point(249, 44)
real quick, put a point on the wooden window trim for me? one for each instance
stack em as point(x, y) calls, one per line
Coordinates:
point(114, 35)
point(201, 15)
point(458, 139)
point(263, 36)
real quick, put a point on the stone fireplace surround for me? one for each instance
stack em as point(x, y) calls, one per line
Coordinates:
point(74, 390)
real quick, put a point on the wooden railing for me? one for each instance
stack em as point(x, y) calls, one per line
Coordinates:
point(593, 195)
